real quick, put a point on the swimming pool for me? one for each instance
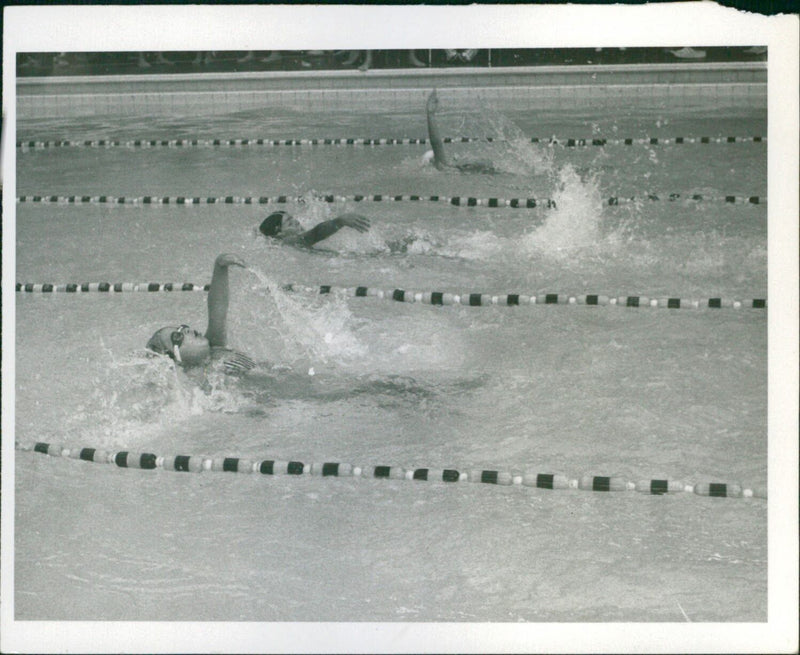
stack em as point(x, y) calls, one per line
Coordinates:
point(637, 393)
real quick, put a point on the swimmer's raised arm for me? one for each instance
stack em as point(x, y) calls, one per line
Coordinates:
point(437, 145)
point(329, 228)
point(218, 299)
point(439, 158)
point(189, 348)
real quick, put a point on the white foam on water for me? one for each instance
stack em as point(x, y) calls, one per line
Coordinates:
point(574, 223)
point(299, 330)
point(135, 398)
point(574, 228)
point(310, 331)
point(510, 149)
point(478, 245)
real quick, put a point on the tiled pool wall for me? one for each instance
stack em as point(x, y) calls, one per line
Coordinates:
point(544, 87)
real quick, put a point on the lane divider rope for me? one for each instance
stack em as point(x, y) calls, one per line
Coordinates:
point(552, 141)
point(422, 297)
point(457, 201)
point(514, 299)
point(526, 477)
point(109, 287)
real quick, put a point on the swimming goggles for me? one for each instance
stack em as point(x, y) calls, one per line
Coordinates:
point(176, 339)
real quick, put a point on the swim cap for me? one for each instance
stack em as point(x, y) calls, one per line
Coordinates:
point(272, 224)
point(160, 342)
point(427, 158)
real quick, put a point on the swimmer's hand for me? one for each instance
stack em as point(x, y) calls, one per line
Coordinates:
point(433, 102)
point(238, 364)
point(235, 363)
point(356, 221)
point(227, 259)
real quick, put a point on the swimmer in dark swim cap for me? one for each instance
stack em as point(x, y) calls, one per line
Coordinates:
point(189, 348)
point(283, 226)
point(438, 155)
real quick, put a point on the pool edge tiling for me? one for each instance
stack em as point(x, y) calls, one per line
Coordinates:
point(543, 87)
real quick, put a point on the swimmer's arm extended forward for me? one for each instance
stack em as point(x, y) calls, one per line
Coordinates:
point(218, 300)
point(439, 158)
point(329, 228)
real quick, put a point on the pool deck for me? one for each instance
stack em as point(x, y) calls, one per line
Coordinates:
point(397, 89)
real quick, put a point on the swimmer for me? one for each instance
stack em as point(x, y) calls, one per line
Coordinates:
point(282, 225)
point(190, 349)
point(438, 155)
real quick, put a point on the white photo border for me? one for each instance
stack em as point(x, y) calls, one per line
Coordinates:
point(286, 27)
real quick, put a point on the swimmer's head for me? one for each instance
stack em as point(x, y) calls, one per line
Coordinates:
point(272, 224)
point(186, 346)
point(427, 158)
point(278, 223)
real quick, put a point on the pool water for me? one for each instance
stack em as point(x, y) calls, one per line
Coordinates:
point(638, 393)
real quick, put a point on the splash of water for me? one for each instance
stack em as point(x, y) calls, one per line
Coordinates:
point(513, 150)
point(295, 329)
point(480, 245)
point(311, 209)
point(319, 334)
point(506, 145)
point(575, 222)
point(134, 398)
point(522, 157)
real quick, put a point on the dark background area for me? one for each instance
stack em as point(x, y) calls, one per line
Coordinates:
point(123, 63)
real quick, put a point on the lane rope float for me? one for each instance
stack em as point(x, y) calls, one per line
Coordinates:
point(513, 299)
point(519, 477)
point(456, 201)
point(552, 141)
point(109, 287)
point(421, 297)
